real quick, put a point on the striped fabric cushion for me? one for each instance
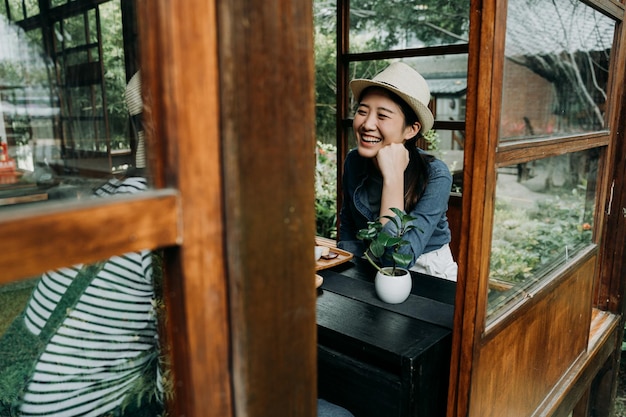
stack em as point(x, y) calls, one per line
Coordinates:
point(98, 327)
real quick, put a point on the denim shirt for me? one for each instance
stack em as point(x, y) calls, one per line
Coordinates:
point(432, 230)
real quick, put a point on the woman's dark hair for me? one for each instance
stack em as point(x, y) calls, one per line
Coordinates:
point(416, 175)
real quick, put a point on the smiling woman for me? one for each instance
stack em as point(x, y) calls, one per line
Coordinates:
point(387, 170)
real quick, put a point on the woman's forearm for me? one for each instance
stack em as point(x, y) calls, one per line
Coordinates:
point(392, 197)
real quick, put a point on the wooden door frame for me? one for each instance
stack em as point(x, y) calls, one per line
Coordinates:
point(231, 106)
point(230, 127)
point(485, 31)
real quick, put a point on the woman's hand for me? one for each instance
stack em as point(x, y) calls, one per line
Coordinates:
point(392, 161)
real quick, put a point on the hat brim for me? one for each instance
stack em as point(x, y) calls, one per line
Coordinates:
point(422, 112)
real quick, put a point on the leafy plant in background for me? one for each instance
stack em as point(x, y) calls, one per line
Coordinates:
point(432, 140)
point(525, 243)
point(384, 248)
point(326, 190)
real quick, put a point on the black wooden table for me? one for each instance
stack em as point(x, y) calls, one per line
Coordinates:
point(378, 359)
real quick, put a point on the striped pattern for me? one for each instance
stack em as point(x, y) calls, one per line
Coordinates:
point(100, 324)
point(134, 104)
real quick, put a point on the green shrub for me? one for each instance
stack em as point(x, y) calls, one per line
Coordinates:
point(527, 243)
point(326, 190)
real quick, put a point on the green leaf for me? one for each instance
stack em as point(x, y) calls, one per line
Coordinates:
point(384, 245)
point(395, 241)
point(398, 212)
point(402, 259)
point(377, 248)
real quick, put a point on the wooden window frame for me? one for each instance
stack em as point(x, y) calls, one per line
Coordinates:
point(485, 75)
point(238, 269)
point(224, 295)
point(485, 81)
point(511, 152)
point(53, 235)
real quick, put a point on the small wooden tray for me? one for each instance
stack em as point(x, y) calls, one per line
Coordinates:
point(344, 256)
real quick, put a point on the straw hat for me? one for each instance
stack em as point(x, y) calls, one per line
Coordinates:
point(406, 83)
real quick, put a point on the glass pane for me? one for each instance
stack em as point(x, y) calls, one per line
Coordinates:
point(16, 10)
point(84, 334)
point(326, 190)
point(35, 36)
point(115, 79)
point(325, 71)
point(71, 32)
point(32, 7)
point(543, 217)
point(556, 69)
point(80, 332)
point(390, 25)
point(19, 9)
point(65, 127)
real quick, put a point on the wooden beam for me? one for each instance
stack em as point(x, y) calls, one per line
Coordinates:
point(268, 137)
point(178, 42)
point(51, 235)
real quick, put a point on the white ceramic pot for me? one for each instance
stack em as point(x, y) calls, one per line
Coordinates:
point(393, 289)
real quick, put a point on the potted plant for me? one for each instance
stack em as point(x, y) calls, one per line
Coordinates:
point(393, 281)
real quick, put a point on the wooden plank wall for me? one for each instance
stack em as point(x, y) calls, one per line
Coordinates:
point(517, 366)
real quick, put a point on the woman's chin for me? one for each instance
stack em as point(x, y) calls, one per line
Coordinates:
point(368, 151)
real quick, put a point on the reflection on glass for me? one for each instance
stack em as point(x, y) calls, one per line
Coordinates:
point(390, 25)
point(84, 332)
point(13, 298)
point(556, 69)
point(19, 9)
point(543, 217)
point(55, 3)
point(65, 127)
